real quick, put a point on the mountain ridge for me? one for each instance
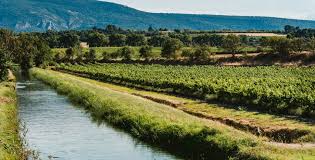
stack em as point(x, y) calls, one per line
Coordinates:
point(41, 15)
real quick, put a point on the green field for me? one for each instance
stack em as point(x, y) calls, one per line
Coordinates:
point(164, 125)
point(269, 89)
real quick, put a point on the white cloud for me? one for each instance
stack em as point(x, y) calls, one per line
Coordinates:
point(301, 9)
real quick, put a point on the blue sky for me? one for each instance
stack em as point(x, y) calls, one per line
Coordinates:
point(300, 9)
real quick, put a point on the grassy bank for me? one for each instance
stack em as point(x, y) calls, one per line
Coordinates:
point(10, 143)
point(168, 127)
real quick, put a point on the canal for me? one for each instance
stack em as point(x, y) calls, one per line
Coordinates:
point(57, 129)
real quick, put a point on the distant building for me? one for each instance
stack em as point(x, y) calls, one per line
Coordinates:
point(84, 45)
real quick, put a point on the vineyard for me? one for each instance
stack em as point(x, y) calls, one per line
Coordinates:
point(270, 89)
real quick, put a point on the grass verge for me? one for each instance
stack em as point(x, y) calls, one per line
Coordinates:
point(159, 124)
point(10, 142)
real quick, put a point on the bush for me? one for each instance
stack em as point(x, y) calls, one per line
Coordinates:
point(146, 52)
point(106, 56)
point(126, 53)
point(280, 45)
point(188, 53)
point(58, 57)
point(202, 53)
point(90, 56)
point(231, 43)
point(171, 48)
point(3, 65)
point(298, 45)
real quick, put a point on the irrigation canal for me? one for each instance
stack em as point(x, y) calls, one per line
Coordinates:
point(57, 129)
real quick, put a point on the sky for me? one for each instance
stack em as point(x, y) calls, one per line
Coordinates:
point(297, 9)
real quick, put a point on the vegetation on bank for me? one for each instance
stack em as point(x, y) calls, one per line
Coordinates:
point(271, 89)
point(10, 141)
point(24, 49)
point(162, 125)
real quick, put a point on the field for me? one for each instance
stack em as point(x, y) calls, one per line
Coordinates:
point(278, 90)
point(155, 50)
point(161, 124)
point(10, 146)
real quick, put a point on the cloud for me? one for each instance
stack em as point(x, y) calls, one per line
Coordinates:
point(302, 9)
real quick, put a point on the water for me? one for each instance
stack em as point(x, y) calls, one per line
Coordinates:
point(58, 129)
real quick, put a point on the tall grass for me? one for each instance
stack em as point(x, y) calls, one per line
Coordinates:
point(155, 123)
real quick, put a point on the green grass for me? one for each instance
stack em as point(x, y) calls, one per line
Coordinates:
point(100, 50)
point(236, 113)
point(10, 143)
point(160, 124)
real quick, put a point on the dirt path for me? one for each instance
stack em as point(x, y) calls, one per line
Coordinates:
point(293, 145)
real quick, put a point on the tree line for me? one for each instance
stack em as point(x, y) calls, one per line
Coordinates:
point(34, 49)
point(116, 37)
point(24, 49)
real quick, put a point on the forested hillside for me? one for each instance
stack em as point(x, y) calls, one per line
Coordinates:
point(40, 15)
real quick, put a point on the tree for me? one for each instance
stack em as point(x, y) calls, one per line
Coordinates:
point(3, 65)
point(289, 29)
point(91, 55)
point(244, 39)
point(188, 53)
point(202, 53)
point(52, 38)
point(184, 37)
point(311, 45)
point(9, 43)
point(171, 48)
point(208, 39)
point(146, 52)
point(26, 50)
point(70, 53)
point(231, 43)
point(96, 39)
point(136, 40)
point(106, 56)
point(280, 45)
point(58, 57)
point(151, 29)
point(69, 39)
point(43, 52)
point(126, 53)
point(157, 41)
point(298, 44)
point(112, 29)
point(117, 40)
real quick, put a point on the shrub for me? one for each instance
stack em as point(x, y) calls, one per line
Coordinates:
point(3, 65)
point(106, 56)
point(146, 52)
point(171, 48)
point(90, 56)
point(126, 53)
point(202, 53)
point(188, 53)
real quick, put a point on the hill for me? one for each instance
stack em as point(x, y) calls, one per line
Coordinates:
point(40, 15)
